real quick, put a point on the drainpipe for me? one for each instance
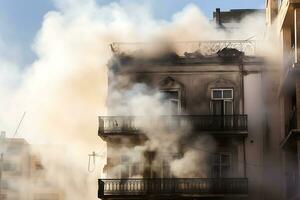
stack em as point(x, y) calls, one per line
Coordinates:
point(242, 86)
point(241, 67)
point(244, 150)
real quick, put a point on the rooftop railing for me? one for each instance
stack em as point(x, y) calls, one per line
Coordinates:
point(205, 48)
point(173, 186)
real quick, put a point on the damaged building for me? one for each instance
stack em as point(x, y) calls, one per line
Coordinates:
point(220, 100)
point(207, 95)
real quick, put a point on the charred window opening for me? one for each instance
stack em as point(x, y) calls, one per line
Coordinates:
point(130, 167)
point(172, 100)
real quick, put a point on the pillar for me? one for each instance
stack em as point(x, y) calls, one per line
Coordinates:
point(297, 34)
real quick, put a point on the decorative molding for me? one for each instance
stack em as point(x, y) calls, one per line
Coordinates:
point(169, 82)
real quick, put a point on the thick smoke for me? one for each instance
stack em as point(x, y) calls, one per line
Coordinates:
point(64, 90)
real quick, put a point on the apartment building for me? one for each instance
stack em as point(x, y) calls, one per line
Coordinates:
point(218, 93)
point(22, 173)
point(15, 168)
point(284, 18)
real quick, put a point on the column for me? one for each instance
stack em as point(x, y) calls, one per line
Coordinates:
point(297, 34)
point(286, 36)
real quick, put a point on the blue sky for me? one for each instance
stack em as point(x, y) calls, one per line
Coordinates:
point(21, 19)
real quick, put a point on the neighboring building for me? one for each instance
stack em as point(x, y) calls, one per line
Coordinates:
point(219, 92)
point(22, 174)
point(284, 18)
point(231, 19)
point(41, 187)
point(15, 168)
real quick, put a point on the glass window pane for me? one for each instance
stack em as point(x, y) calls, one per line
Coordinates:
point(135, 169)
point(227, 94)
point(228, 108)
point(225, 170)
point(216, 159)
point(217, 107)
point(125, 159)
point(215, 172)
point(170, 94)
point(166, 171)
point(217, 94)
point(225, 159)
point(174, 106)
point(124, 171)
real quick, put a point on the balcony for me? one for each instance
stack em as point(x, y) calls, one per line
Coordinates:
point(173, 187)
point(290, 72)
point(129, 125)
point(285, 13)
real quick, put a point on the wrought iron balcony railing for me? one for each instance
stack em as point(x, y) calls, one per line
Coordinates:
point(173, 186)
point(114, 125)
point(206, 48)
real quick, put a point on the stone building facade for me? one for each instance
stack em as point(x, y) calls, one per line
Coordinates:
point(218, 93)
point(283, 18)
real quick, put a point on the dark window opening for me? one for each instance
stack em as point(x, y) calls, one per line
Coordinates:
point(172, 101)
point(221, 165)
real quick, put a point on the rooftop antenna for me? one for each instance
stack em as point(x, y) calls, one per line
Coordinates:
point(18, 127)
point(250, 37)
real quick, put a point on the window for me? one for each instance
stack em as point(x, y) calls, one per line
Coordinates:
point(166, 168)
point(222, 101)
point(172, 100)
point(221, 165)
point(129, 168)
point(222, 94)
point(7, 166)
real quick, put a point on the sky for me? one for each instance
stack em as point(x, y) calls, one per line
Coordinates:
point(20, 20)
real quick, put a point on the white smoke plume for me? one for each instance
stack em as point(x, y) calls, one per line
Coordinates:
point(64, 90)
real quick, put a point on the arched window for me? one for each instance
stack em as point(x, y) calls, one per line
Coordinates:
point(172, 92)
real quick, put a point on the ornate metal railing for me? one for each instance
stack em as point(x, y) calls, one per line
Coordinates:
point(173, 186)
point(131, 125)
point(206, 48)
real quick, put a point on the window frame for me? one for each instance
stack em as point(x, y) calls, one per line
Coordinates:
point(224, 100)
point(220, 165)
point(130, 164)
point(179, 107)
point(222, 90)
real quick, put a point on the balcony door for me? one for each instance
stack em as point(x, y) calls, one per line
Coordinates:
point(222, 105)
point(130, 168)
point(172, 101)
point(221, 165)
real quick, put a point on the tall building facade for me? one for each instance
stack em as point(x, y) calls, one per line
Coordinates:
point(283, 18)
point(218, 93)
